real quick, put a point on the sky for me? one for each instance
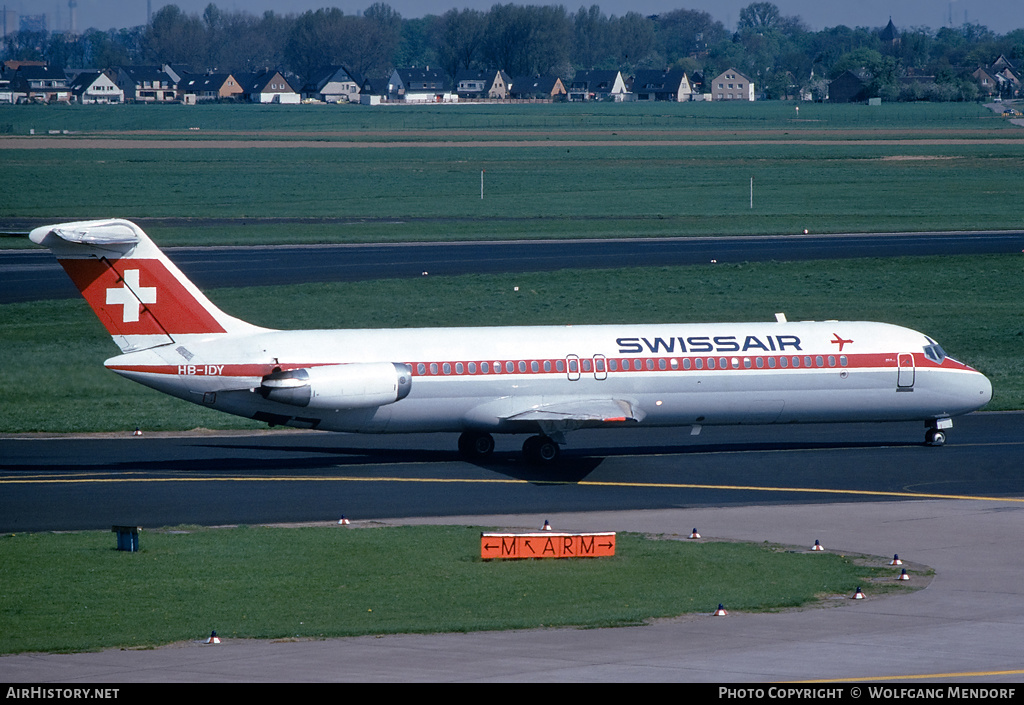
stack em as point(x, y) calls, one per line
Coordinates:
point(1000, 16)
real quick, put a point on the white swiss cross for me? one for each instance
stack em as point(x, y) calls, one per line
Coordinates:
point(131, 296)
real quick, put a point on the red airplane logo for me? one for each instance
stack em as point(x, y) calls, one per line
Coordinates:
point(840, 341)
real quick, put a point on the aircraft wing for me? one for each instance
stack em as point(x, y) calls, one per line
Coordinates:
point(580, 412)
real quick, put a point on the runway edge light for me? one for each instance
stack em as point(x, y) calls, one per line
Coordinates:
point(720, 612)
point(212, 639)
point(817, 546)
point(858, 595)
point(903, 575)
point(895, 560)
point(694, 534)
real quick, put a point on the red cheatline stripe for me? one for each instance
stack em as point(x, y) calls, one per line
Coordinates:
point(585, 366)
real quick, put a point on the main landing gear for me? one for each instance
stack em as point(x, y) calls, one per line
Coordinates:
point(537, 450)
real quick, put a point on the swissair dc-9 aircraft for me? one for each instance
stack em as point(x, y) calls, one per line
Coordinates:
point(539, 380)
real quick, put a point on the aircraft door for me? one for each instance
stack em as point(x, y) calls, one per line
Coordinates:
point(905, 372)
point(572, 367)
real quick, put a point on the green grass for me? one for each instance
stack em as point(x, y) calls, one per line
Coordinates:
point(246, 121)
point(843, 181)
point(74, 592)
point(434, 194)
point(54, 379)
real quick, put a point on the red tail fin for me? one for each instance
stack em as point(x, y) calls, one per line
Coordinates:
point(141, 297)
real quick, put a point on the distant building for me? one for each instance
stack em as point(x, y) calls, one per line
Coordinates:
point(95, 87)
point(482, 84)
point(731, 85)
point(332, 84)
point(597, 85)
point(147, 84)
point(848, 87)
point(269, 86)
point(671, 86)
point(413, 85)
point(537, 88)
point(210, 86)
point(40, 83)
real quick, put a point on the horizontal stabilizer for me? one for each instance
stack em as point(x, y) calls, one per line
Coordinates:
point(96, 233)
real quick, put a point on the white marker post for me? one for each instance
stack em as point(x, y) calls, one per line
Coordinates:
point(482, 184)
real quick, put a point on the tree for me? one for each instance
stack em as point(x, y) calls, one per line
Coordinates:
point(175, 38)
point(461, 43)
point(685, 33)
point(759, 15)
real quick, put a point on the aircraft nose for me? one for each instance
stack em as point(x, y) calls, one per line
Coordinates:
point(985, 390)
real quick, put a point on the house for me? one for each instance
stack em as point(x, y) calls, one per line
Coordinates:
point(332, 84)
point(1004, 76)
point(482, 84)
point(662, 85)
point(597, 85)
point(7, 93)
point(848, 87)
point(373, 91)
point(147, 84)
point(731, 85)
point(210, 86)
point(270, 86)
point(42, 84)
point(95, 87)
point(413, 85)
point(538, 88)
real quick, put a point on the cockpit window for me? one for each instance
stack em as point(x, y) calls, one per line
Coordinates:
point(934, 352)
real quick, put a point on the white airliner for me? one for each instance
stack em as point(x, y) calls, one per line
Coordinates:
point(540, 380)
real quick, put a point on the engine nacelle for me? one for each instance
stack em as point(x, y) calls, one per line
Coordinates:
point(357, 385)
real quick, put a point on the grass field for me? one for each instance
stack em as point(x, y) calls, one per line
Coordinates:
point(581, 119)
point(626, 170)
point(74, 592)
point(54, 379)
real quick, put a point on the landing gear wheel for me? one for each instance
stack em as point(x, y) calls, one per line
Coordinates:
point(540, 450)
point(476, 446)
point(934, 437)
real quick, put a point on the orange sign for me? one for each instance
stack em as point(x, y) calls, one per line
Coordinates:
point(546, 545)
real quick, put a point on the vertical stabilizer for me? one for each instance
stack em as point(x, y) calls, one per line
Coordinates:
point(141, 297)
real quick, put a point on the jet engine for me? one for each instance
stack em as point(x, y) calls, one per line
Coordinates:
point(356, 385)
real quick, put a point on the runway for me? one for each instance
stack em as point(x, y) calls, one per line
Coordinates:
point(90, 482)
